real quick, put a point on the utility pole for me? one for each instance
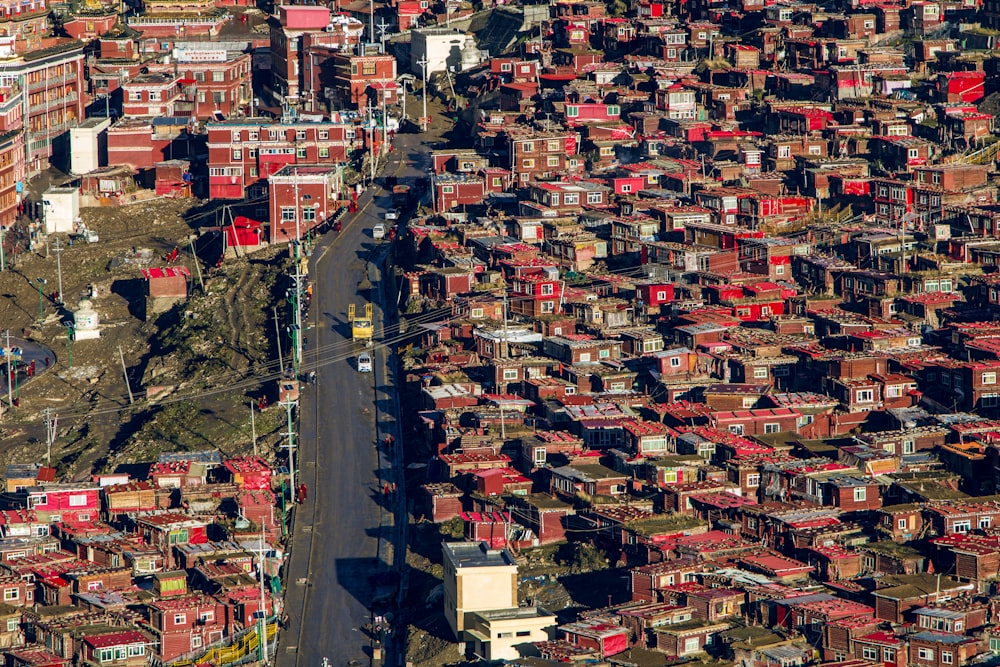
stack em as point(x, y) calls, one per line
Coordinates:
point(298, 319)
point(277, 334)
point(290, 446)
point(371, 21)
point(3, 260)
point(58, 251)
point(423, 69)
point(10, 375)
point(128, 385)
point(51, 422)
point(253, 429)
point(262, 637)
point(382, 27)
point(197, 263)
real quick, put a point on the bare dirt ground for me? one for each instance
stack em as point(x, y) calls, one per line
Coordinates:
point(204, 353)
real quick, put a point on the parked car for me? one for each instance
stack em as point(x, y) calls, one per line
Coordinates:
point(364, 363)
point(392, 214)
point(378, 232)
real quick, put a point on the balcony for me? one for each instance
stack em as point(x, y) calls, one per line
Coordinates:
point(66, 100)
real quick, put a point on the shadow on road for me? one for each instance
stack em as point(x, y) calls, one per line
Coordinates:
point(354, 576)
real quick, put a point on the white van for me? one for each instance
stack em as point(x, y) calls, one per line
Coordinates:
point(364, 363)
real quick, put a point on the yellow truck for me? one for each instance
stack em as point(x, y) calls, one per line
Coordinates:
point(361, 325)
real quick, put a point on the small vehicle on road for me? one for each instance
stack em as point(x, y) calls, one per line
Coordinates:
point(378, 232)
point(392, 214)
point(364, 363)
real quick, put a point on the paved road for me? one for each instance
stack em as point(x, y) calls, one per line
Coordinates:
point(335, 548)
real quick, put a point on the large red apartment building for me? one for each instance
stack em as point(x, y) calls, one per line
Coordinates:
point(243, 153)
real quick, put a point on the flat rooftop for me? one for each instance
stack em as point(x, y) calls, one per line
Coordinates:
point(470, 554)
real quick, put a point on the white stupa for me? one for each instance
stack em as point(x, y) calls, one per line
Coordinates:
point(87, 324)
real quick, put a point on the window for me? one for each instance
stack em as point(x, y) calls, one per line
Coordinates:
point(864, 396)
point(962, 527)
point(300, 153)
point(571, 199)
point(548, 307)
point(760, 373)
point(309, 214)
point(11, 594)
point(447, 189)
point(772, 428)
point(288, 214)
point(869, 653)
point(888, 655)
point(893, 391)
point(78, 500)
point(815, 150)
point(106, 654)
point(614, 110)
point(908, 447)
point(548, 289)
point(368, 69)
point(180, 619)
point(675, 362)
point(604, 354)
point(94, 585)
point(753, 480)
point(946, 657)
point(912, 153)
point(206, 616)
point(324, 152)
point(784, 152)
point(736, 429)
point(218, 96)
point(860, 494)
point(901, 524)
point(989, 378)
point(135, 96)
point(989, 400)
point(692, 645)
point(552, 161)
point(12, 625)
point(196, 641)
point(925, 654)
point(510, 374)
point(595, 197)
point(477, 312)
point(136, 649)
point(779, 270)
point(154, 96)
point(985, 522)
point(237, 154)
point(528, 164)
point(504, 67)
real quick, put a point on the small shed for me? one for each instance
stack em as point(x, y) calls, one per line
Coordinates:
point(165, 287)
point(243, 235)
point(61, 207)
point(173, 178)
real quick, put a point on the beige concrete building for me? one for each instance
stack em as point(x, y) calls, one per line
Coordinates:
point(477, 578)
point(508, 634)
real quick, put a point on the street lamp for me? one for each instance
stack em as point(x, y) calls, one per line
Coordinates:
point(70, 332)
point(42, 282)
point(293, 332)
